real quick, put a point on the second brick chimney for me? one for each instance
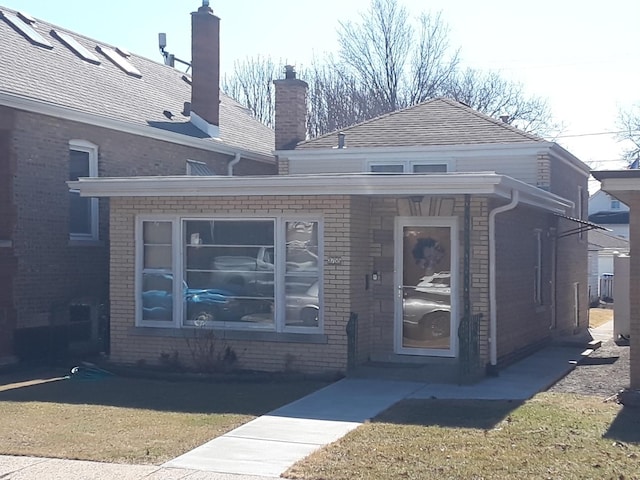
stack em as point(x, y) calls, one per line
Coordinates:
point(205, 70)
point(290, 110)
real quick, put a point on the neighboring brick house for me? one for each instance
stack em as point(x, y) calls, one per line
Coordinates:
point(624, 185)
point(71, 106)
point(431, 236)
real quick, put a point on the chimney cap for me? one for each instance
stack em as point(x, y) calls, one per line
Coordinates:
point(289, 72)
point(505, 118)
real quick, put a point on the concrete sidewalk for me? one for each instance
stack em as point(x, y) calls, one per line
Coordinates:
point(269, 445)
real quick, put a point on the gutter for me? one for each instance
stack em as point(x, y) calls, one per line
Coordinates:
point(67, 113)
point(493, 318)
point(233, 163)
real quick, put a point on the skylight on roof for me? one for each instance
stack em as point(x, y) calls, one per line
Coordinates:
point(26, 30)
point(78, 49)
point(119, 61)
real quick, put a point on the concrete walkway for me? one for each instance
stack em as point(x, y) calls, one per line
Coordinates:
point(268, 445)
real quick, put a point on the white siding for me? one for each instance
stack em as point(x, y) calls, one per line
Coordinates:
point(339, 165)
point(524, 169)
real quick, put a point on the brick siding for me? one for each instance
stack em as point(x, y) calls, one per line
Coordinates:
point(51, 271)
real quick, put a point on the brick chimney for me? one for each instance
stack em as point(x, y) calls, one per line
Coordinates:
point(291, 110)
point(205, 70)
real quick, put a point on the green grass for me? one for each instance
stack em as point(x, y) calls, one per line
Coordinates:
point(549, 437)
point(129, 420)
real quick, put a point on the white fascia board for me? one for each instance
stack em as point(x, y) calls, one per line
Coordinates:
point(615, 186)
point(57, 111)
point(489, 184)
point(459, 151)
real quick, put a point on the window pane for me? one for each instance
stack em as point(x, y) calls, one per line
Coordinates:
point(79, 214)
point(157, 257)
point(230, 271)
point(302, 274)
point(157, 233)
point(302, 303)
point(397, 168)
point(78, 164)
point(433, 168)
point(157, 297)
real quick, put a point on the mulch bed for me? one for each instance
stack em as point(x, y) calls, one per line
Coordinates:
point(604, 373)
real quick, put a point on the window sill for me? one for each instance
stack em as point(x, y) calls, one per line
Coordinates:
point(85, 243)
point(6, 244)
point(248, 335)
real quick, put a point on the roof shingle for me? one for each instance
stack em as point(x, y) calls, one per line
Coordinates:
point(439, 121)
point(60, 77)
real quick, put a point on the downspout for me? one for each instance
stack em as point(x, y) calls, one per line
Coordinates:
point(493, 318)
point(232, 163)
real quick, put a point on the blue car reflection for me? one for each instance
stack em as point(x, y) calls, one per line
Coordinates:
point(203, 305)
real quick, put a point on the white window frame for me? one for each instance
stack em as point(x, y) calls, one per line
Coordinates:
point(179, 259)
point(92, 150)
point(139, 263)
point(408, 165)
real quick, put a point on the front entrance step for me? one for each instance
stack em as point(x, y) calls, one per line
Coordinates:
point(439, 373)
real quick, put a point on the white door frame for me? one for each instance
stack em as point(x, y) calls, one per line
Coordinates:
point(400, 224)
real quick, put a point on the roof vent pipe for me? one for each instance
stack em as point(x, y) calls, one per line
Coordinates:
point(341, 136)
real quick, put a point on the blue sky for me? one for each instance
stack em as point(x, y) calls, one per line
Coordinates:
point(579, 54)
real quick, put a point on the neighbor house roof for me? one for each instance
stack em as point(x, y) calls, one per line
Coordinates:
point(439, 121)
point(56, 75)
point(602, 239)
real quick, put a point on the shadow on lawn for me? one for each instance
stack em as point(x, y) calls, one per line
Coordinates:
point(251, 398)
point(478, 414)
point(626, 426)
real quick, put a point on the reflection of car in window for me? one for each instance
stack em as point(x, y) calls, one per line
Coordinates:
point(202, 304)
point(256, 274)
point(427, 308)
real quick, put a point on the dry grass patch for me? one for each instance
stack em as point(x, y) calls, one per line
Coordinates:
point(599, 316)
point(550, 437)
point(130, 420)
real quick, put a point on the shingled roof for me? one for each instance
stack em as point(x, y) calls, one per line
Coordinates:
point(439, 121)
point(59, 77)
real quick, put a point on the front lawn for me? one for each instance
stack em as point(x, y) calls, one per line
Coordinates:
point(552, 436)
point(127, 420)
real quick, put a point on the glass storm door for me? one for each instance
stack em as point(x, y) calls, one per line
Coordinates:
point(426, 266)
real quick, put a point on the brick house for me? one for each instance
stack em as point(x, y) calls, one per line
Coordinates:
point(71, 106)
point(624, 185)
point(431, 236)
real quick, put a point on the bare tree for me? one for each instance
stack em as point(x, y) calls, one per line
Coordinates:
point(386, 62)
point(432, 67)
point(629, 124)
point(251, 84)
point(495, 96)
point(335, 98)
point(377, 49)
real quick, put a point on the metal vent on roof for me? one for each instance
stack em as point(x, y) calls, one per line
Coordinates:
point(119, 61)
point(78, 49)
point(26, 30)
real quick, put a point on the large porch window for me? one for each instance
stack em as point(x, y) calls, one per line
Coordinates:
point(230, 273)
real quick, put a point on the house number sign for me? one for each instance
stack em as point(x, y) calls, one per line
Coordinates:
point(334, 260)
